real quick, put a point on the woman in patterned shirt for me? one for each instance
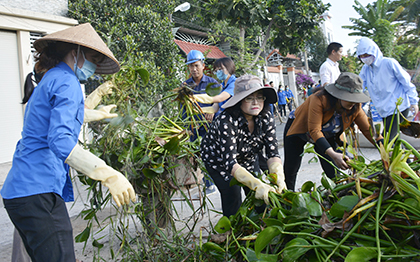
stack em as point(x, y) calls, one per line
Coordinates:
point(234, 139)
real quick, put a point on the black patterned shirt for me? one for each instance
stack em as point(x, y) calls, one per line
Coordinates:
point(229, 141)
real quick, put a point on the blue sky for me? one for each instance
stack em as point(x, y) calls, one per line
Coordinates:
point(342, 10)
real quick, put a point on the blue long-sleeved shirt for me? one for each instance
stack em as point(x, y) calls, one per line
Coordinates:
point(229, 88)
point(289, 94)
point(385, 80)
point(51, 127)
point(200, 89)
point(282, 97)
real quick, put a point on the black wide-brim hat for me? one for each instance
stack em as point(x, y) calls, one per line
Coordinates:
point(348, 87)
point(86, 36)
point(248, 84)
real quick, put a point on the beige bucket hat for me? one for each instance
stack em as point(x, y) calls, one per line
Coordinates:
point(86, 36)
point(248, 84)
point(348, 87)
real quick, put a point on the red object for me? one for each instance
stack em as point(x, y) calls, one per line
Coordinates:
point(212, 52)
point(417, 117)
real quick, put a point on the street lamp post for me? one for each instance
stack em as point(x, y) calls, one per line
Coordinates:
point(182, 7)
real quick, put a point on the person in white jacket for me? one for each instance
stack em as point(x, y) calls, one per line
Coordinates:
point(386, 81)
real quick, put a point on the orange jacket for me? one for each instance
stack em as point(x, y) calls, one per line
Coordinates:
point(310, 117)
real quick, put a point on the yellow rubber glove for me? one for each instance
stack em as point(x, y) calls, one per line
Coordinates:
point(261, 189)
point(94, 167)
point(204, 98)
point(277, 168)
point(99, 114)
point(95, 97)
point(208, 110)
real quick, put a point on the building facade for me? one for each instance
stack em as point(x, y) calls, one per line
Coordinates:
point(21, 23)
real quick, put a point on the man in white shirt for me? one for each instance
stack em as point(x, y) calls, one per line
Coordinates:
point(329, 70)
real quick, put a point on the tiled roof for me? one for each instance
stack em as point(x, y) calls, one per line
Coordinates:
point(290, 56)
point(273, 69)
point(208, 51)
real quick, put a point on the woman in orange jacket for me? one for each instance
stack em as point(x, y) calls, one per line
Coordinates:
point(320, 120)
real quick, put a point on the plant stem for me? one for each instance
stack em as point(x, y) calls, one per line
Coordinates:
point(349, 234)
point(378, 210)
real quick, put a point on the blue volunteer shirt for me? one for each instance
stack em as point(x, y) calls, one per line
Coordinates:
point(282, 97)
point(51, 127)
point(289, 94)
point(228, 88)
point(200, 89)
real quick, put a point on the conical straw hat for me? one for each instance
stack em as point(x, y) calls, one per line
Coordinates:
point(83, 35)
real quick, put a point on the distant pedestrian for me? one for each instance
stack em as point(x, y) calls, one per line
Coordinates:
point(289, 98)
point(282, 101)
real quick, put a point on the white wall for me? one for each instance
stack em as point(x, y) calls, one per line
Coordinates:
point(52, 7)
point(15, 54)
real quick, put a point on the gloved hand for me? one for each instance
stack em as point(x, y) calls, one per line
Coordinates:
point(95, 97)
point(277, 168)
point(414, 109)
point(204, 98)
point(94, 167)
point(101, 113)
point(261, 189)
point(208, 110)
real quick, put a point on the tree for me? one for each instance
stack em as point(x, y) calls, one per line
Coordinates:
point(139, 34)
point(132, 28)
point(375, 23)
point(284, 24)
point(350, 63)
point(317, 50)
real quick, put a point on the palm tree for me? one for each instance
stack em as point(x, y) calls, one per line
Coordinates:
point(375, 23)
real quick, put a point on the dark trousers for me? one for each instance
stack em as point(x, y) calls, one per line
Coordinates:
point(282, 109)
point(290, 105)
point(44, 226)
point(293, 149)
point(387, 123)
point(230, 195)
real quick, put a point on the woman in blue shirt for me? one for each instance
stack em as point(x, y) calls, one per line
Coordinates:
point(225, 72)
point(38, 184)
point(282, 101)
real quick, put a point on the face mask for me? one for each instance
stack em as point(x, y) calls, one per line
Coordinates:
point(368, 60)
point(87, 70)
point(221, 75)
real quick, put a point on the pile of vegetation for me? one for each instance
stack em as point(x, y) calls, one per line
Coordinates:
point(372, 212)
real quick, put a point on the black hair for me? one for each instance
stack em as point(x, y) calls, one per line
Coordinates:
point(333, 46)
point(227, 63)
point(48, 58)
point(32, 78)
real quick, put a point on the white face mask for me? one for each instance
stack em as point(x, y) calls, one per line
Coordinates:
point(368, 60)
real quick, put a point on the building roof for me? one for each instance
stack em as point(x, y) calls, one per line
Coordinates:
point(212, 52)
point(273, 69)
point(288, 56)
